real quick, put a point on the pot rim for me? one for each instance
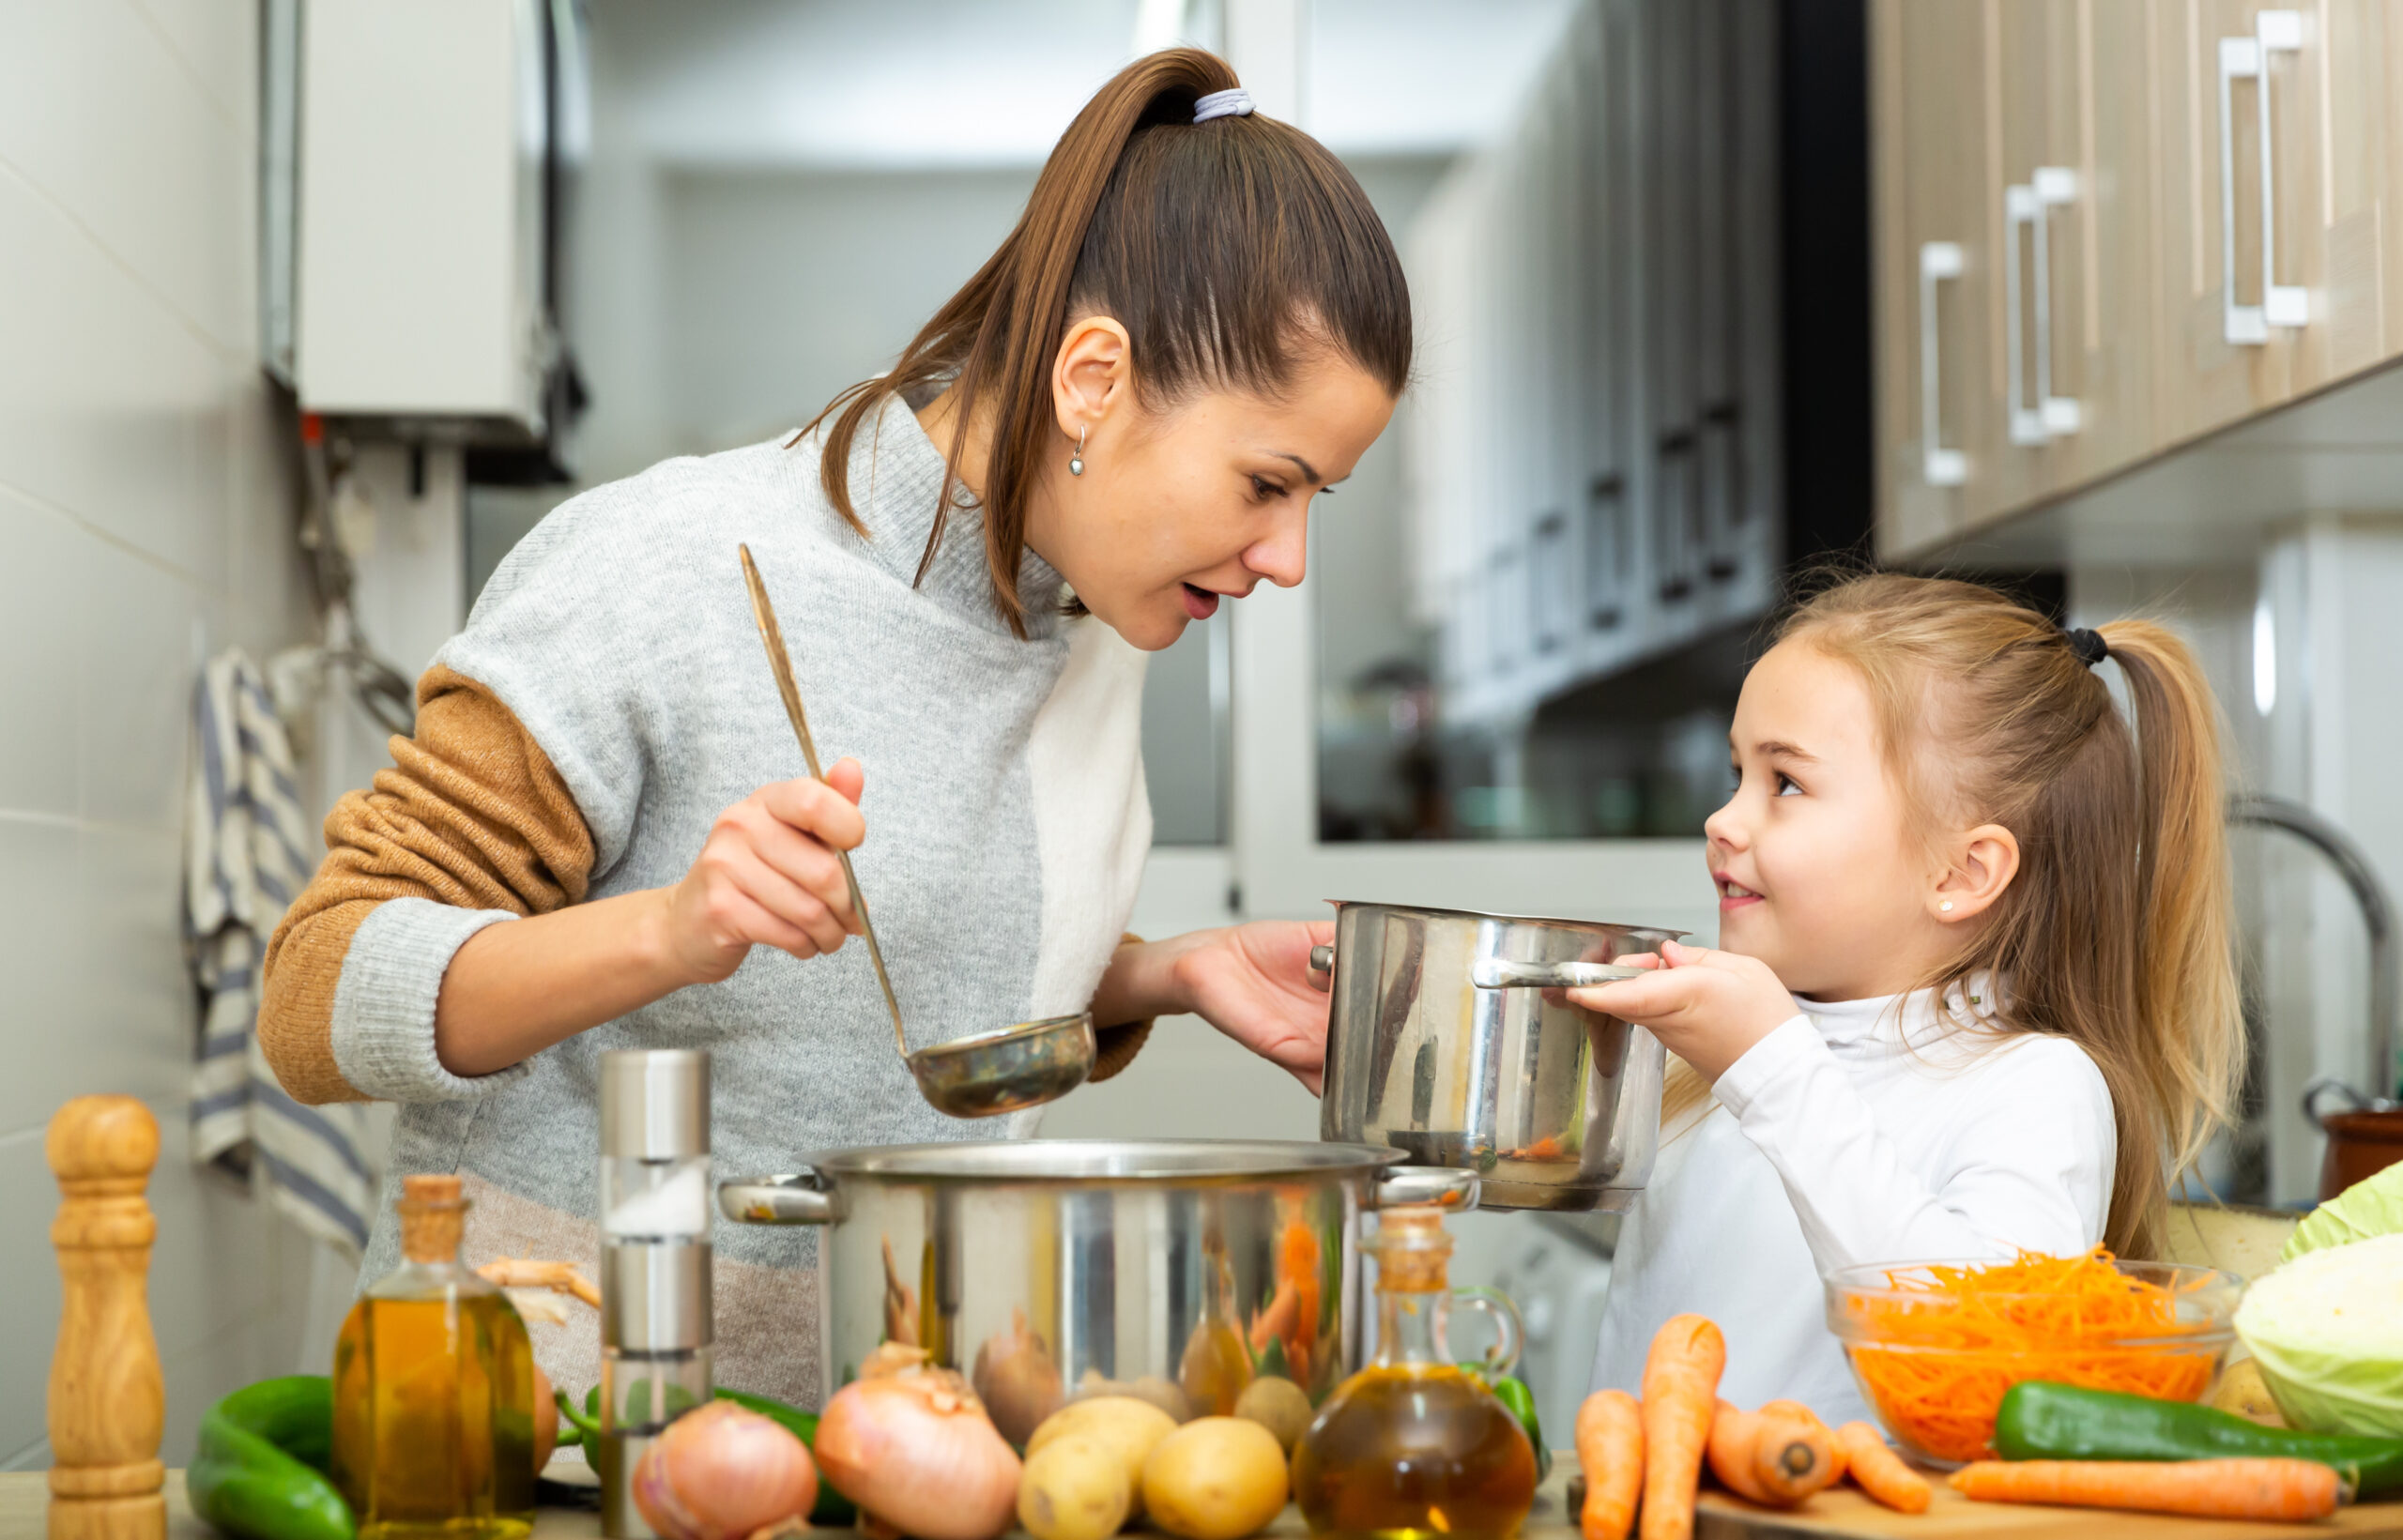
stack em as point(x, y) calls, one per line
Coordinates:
point(1115, 1160)
point(1661, 932)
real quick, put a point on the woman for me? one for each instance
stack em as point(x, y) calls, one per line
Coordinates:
point(595, 839)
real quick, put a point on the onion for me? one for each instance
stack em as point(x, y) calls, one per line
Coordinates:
point(913, 1447)
point(1017, 1381)
point(721, 1472)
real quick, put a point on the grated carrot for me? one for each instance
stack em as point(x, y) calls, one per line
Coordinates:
point(1936, 1360)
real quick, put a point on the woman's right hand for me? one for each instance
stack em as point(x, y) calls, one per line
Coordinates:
point(768, 875)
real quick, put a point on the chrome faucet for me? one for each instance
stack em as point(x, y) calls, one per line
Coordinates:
point(2378, 918)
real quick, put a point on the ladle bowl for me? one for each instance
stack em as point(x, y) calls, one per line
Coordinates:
point(1008, 1070)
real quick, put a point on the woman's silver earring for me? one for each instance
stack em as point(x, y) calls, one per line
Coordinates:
point(1945, 906)
point(1076, 461)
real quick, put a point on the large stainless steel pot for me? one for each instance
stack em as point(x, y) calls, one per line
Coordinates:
point(1112, 1260)
point(1553, 1107)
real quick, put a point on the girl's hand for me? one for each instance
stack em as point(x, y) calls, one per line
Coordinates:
point(768, 876)
point(1252, 983)
point(1707, 1007)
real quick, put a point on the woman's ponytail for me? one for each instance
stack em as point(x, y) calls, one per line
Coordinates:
point(1223, 247)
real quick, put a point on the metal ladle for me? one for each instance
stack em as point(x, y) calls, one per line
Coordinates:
point(978, 1077)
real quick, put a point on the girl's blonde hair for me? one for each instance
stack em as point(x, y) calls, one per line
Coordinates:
point(2116, 931)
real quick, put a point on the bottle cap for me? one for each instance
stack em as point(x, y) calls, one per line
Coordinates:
point(434, 1215)
point(1412, 1249)
point(654, 1103)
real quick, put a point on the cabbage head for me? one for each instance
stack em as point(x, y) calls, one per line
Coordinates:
point(2367, 1208)
point(2327, 1329)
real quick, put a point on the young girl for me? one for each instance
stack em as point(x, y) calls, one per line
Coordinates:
point(1975, 991)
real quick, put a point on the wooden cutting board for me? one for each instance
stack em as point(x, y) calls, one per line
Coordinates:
point(1839, 1514)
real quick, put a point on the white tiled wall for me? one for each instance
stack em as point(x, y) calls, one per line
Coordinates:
point(143, 523)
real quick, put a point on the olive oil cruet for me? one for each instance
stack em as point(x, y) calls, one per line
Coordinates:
point(434, 1391)
point(1415, 1447)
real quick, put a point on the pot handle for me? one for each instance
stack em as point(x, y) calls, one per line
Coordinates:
point(1407, 1186)
point(786, 1200)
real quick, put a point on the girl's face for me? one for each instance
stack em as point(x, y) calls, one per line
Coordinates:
point(1817, 874)
point(1181, 509)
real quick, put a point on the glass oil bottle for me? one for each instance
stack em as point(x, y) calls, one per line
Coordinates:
point(1414, 1447)
point(434, 1391)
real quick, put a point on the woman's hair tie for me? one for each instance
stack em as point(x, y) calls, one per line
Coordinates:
point(1234, 103)
point(2088, 645)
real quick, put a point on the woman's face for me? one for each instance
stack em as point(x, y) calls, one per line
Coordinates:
point(1180, 508)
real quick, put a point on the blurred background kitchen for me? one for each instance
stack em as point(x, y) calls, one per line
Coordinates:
point(313, 308)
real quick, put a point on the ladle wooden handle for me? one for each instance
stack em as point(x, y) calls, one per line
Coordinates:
point(107, 1401)
point(773, 639)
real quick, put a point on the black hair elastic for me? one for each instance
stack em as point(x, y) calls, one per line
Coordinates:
point(2088, 645)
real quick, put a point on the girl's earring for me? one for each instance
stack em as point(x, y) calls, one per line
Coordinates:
point(1076, 461)
point(1945, 906)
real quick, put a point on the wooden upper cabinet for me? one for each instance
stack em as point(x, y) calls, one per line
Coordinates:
point(2107, 252)
point(2282, 168)
point(2357, 309)
point(2071, 350)
point(2163, 216)
point(2237, 76)
point(1936, 270)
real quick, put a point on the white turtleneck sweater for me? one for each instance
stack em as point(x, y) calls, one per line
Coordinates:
point(1865, 1130)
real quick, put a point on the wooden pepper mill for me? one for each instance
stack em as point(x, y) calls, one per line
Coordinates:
point(107, 1401)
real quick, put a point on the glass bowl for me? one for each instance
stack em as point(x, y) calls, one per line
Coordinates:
point(1933, 1363)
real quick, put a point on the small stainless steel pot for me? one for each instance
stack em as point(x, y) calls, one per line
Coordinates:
point(1040, 1266)
point(1554, 1107)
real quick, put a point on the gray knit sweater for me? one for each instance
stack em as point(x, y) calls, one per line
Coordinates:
point(1006, 817)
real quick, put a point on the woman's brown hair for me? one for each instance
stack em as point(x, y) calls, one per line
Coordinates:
point(2116, 932)
point(1231, 251)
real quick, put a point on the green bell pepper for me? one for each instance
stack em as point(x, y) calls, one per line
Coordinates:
point(261, 1467)
point(1513, 1394)
point(2049, 1422)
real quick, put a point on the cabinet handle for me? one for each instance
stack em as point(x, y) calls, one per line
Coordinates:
point(1548, 574)
point(1937, 260)
point(1605, 546)
point(2024, 208)
point(2248, 58)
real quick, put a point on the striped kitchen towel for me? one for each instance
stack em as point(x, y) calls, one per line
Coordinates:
point(244, 862)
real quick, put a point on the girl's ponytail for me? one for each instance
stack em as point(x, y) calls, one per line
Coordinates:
point(1226, 248)
point(2186, 992)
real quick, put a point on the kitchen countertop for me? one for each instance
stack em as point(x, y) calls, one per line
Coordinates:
point(1839, 1514)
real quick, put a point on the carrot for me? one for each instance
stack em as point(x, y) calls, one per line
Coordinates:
point(1881, 1471)
point(1297, 1263)
point(1610, 1450)
point(1276, 1318)
point(2238, 1488)
point(1775, 1461)
point(1680, 1397)
point(2075, 1320)
point(1802, 1413)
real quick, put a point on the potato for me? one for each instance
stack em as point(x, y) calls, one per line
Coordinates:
point(1075, 1488)
point(1216, 1478)
point(2243, 1392)
point(1130, 1426)
point(1280, 1406)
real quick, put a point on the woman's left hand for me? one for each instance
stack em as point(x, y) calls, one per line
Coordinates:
point(1252, 983)
point(1707, 1007)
